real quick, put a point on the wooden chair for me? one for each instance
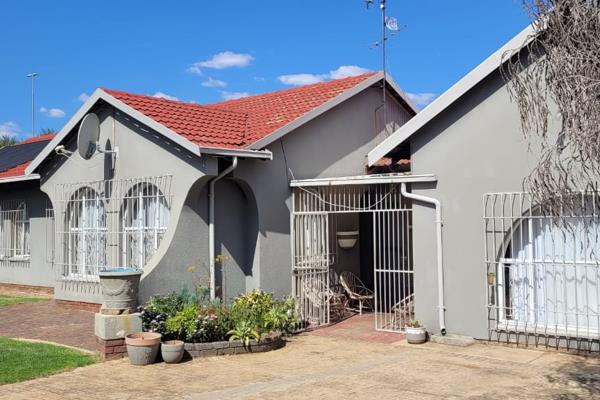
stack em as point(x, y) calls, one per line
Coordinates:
point(403, 312)
point(357, 291)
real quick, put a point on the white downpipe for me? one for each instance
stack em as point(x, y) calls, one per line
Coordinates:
point(440, 255)
point(211, 223)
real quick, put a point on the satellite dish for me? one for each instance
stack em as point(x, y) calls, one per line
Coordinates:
point(88, 135)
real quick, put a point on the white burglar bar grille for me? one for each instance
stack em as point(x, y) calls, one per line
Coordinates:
point(543, 274)
point(316, 212)
point(107, 224)
point(14, 233)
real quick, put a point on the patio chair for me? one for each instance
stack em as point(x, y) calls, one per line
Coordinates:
point(317, 292)
point(357, 291)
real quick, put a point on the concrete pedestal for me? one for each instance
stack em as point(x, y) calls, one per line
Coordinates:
point(110, 331)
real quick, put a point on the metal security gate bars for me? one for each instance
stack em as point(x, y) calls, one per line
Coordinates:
point(14, 233)
point(317, 262)
point(543, 270)
point(107, 224)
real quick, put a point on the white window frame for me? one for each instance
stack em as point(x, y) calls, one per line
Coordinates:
point(137, 225)
point(77, 266)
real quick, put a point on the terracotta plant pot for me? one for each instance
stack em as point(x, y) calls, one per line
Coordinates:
point(172, 351)
point(142, 347)
point(416, 335)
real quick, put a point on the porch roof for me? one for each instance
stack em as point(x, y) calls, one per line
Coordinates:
point(364, 180)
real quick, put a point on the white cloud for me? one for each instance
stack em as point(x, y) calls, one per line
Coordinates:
point(222, 60)
point(421, 99)
point(9, 129)
point(343, 71)
point(165, 96)
point(214, 83)
point(301, 79)
point(194, 69)
point(346, 71)
point(53, 112)
point(233, 95)
point(83, 97)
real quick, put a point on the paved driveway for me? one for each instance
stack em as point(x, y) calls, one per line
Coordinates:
point(317, 367)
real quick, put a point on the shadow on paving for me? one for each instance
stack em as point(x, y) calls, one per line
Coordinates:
point(49, 321)
point(584, 377)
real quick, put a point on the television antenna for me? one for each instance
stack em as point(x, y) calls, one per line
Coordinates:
point(32, 77)
point(390, 23)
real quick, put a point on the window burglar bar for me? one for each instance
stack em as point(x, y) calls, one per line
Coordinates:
point(108, 224)
point(316, 215)
point(14, 233)
point(543, 275)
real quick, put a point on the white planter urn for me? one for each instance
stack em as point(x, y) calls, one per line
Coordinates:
point(416, 335)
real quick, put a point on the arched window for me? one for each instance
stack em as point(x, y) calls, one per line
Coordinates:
point(86, 234)
point(144, 218)
point(550, 274)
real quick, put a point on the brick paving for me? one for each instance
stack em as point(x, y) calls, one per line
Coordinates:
point(317, 367)
point(359, 327)
point(49, 321)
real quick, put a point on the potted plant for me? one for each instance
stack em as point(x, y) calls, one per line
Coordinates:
point(172, 351)
point(416, 332)
point(142, 347)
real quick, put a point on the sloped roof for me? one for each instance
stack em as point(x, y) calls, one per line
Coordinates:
point(242, 127)
point(15, 159)
point(271, 111)
point(237, 123)
point(449, 97)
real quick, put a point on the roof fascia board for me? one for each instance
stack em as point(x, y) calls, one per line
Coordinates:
point(49, 148)
point(267, 140)
point(461, 87)
point(401, 93)
point(363, 180)
point(21, 178)
point(260, 154)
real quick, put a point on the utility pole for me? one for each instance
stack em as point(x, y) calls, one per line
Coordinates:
point(32, 77)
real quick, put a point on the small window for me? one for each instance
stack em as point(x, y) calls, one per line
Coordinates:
point(14, 232)
point(145, 216)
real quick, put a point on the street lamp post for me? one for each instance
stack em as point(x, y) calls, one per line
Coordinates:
point(32, 77)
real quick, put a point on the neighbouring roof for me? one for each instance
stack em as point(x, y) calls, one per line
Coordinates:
point(439, 105)
point(15, 159)
point(242, 127)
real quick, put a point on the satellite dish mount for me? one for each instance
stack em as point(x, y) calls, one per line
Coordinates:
point(88, 138)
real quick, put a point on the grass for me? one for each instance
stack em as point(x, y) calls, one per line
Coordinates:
point(20, 360)
point(9, 300)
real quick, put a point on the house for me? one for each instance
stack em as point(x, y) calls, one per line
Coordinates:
point(23, 217)
point(192, 192)
point(510, 271)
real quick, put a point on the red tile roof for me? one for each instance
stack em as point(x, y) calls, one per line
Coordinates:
point(15, 171)
point(40, 138)
point(237, 123)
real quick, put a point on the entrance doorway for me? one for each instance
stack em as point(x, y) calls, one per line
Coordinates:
point(351, 240)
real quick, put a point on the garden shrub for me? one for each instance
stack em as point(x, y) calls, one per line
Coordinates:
point(192, 317)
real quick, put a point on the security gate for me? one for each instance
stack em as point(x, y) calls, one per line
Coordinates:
point(316, 206)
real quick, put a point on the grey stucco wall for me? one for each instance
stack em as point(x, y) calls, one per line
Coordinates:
point(252, 221)
point(38, 270)
point(142, 153)
point(475, 147)
point(334, 144)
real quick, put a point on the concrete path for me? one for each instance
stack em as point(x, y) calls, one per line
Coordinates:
point(317, 367)
point(46, 320)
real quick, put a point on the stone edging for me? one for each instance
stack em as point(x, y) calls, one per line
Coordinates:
point(269, 342)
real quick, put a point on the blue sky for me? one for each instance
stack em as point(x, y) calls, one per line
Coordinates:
point(206, 51)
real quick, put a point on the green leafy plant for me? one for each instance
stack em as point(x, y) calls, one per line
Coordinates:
point(244, 331)
point(282, 316)
point(184, 324)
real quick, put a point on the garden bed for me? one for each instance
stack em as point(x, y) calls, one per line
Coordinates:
point(268, 342)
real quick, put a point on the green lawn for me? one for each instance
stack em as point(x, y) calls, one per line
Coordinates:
point(20, 360)
point(9, 300)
